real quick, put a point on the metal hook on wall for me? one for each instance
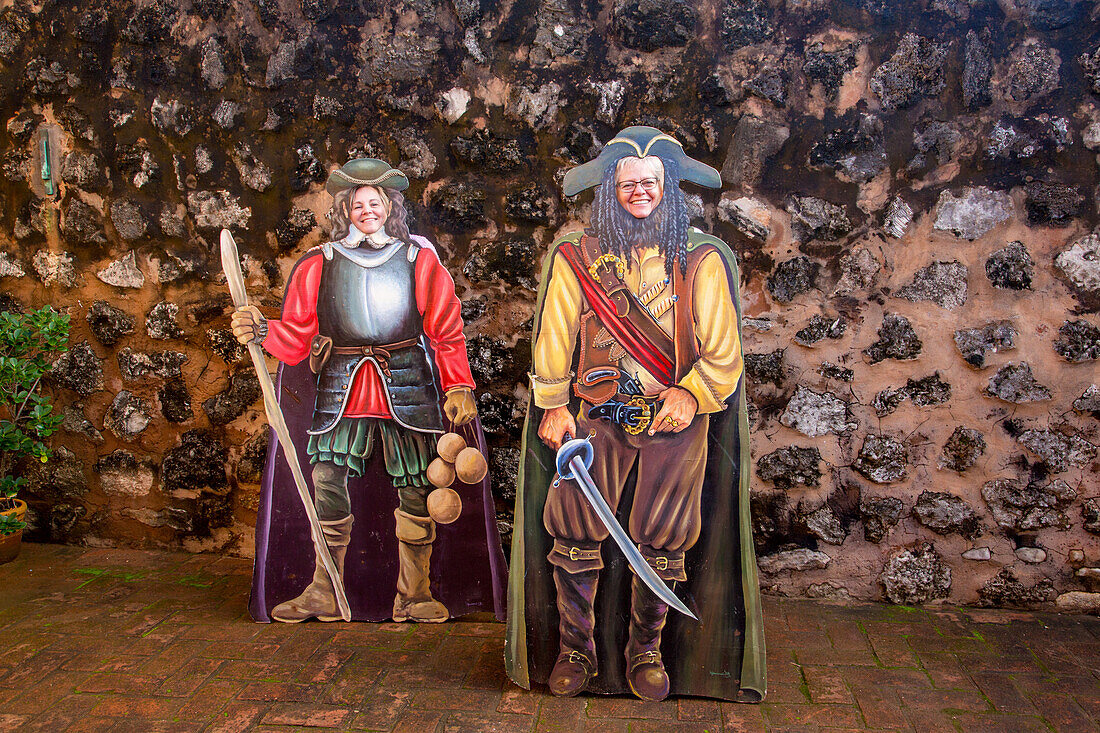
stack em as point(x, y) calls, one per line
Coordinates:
point(46, 170)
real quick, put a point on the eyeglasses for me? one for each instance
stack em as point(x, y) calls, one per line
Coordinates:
point(649, 185)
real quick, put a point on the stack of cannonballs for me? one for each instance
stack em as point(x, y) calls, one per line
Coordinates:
point(456, 460)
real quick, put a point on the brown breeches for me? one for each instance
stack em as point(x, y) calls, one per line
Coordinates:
point(665, 515)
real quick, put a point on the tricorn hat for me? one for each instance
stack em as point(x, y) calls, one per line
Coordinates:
point(639, 141)
point(365, 172)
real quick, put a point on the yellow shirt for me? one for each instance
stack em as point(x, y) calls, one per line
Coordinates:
point(711, 380)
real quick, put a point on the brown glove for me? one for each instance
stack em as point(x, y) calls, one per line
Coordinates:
point(459, 406)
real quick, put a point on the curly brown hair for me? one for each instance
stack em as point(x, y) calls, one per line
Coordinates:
point(396, 222)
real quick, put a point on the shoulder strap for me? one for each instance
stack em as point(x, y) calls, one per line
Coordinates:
point(607, 270)
point(654, 354)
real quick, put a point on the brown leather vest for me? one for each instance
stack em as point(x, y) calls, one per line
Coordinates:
point(597, 374)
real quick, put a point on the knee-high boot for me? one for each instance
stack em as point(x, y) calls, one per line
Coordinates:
point(645, 671)
point(414, 600)
point(576, 663)
point(318, 600)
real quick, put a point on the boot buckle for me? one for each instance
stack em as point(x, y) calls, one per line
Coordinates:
point(576, 657)
point(650, 656)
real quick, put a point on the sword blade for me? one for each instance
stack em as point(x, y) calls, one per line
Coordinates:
point(647, 574)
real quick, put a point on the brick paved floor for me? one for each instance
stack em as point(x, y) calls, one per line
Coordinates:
point(123, 640)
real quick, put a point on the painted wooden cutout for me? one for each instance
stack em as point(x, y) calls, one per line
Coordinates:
point(638, 377)
point(378, 398)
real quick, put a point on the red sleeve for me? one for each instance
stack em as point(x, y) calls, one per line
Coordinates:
point(442, 312)
point(289, 337)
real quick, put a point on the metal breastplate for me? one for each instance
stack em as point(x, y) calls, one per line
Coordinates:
point(368, 298)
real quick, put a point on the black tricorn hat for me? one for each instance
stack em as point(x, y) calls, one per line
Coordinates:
point(365, 172)
point(639, 141)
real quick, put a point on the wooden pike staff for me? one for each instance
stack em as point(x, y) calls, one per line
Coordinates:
point(231, 265)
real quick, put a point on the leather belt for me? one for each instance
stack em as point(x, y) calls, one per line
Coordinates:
point(380, 353)
point(633, 413)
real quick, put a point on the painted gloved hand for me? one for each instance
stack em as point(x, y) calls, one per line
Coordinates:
point(249, 325)
point(459, 406)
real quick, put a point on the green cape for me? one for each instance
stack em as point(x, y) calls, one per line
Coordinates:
point(721, 655)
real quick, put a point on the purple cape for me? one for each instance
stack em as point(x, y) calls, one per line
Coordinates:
point(467, 567)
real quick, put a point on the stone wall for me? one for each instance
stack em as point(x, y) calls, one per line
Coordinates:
point(910, 188)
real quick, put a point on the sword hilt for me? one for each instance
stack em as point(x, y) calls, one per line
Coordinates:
point(573, 448)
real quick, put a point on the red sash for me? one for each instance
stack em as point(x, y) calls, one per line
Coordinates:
point(629, 336)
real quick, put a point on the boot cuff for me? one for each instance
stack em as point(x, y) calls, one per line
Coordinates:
point(576, 557)
point(667, 565)
point(337, 533)
point(414, 530)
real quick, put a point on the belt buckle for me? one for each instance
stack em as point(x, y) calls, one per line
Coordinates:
point(574, 555)
point(643, 420)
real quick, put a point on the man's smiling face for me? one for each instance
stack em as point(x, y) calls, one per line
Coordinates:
point(639, 185)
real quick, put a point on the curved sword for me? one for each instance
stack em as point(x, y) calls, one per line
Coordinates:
point(573, 459)
point(231, 265)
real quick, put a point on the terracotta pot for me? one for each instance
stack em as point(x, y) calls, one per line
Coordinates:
point(10, 544)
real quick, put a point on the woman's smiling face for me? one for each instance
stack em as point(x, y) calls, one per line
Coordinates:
point(368, 210)
point(639, 185)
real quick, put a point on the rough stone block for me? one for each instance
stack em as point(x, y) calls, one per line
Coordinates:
point(962, 449)
point(1060, 451)
point(896, 340)
point(1032, 71)
point(127, 416)
point(913, 576)
point(109, 324)
point(79, 369)
point(814, 218)
point(879, 515)
point(790, 466)
point(1078, 341)
point(973, 212)
point(797, 560)
point(1016, 383)
point(945, 513)
point(915, 70)
point(882, 459)
point(976, 343)
point(792, 278)
point(1011, 267)
point(1081, 263)
point(1005, 589)
point(649, 25)
point(814, 414)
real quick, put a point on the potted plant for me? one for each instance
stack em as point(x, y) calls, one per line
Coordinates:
point(29, 342)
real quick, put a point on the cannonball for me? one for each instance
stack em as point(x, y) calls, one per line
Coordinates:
point(444, 505)
point(470, 466)
point(441, 473)
point(449, 446)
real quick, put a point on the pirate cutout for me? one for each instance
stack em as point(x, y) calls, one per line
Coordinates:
point(633, 568)
point(396, 519)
